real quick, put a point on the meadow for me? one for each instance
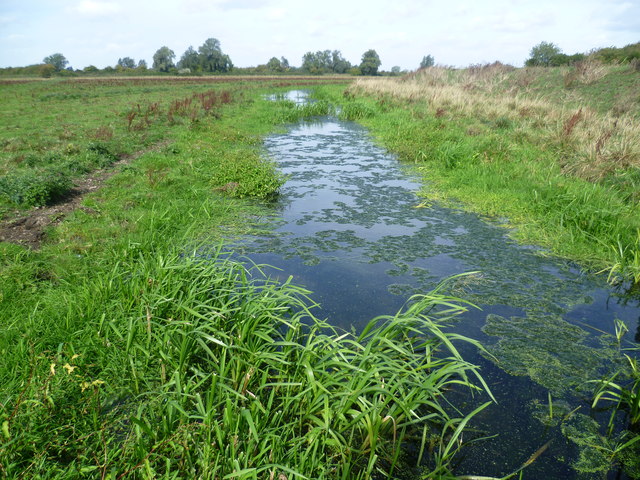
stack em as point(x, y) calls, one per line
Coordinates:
point(132, 345)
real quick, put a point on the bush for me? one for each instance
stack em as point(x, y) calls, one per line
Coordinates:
point(245, 174)
point(31, 188)
point(104, 150)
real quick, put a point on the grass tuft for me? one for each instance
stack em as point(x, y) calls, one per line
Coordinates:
point(220, 372)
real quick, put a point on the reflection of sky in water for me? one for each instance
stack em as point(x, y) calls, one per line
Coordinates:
point(347, 201)
point(351, 232)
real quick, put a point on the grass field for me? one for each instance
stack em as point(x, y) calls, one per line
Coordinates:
point(132, 347)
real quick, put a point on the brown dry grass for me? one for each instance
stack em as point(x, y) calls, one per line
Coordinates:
point(594, 144)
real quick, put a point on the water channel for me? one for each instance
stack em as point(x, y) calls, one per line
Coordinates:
point(351, 229)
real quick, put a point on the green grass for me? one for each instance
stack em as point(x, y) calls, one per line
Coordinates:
point(132, 347)
point(182, 364)
point(68, 128)
point(616, 91)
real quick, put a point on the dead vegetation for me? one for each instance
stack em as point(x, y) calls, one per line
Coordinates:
point(594, 144)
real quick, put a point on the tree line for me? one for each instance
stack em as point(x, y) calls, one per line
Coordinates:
point(548, 54)
point(209, 58)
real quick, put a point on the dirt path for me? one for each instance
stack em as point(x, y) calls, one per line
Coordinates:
point(29, 229)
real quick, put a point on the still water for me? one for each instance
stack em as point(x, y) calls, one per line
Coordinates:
point(351, 229)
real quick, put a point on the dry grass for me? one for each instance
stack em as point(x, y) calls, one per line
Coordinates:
point(593, 144)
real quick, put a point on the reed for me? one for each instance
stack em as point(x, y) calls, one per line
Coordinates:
point(190, 364)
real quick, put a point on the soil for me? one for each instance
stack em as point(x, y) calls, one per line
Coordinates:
point(29, 230)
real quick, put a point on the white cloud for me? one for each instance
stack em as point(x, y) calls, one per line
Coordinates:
point(276, 14)
point(93, 8)
point(200, 6)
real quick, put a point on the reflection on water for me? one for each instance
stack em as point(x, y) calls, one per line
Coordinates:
point(352, 230)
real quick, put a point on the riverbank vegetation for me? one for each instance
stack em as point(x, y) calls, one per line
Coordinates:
point(134, 346)
point(556, 151)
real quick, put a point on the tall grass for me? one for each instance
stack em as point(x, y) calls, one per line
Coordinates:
point(595, 147)
point(179, 365)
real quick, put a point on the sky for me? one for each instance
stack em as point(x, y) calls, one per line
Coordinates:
point(455, 32)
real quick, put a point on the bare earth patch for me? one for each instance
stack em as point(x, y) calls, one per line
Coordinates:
point(29, 230)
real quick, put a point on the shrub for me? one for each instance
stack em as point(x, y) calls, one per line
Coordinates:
point(32, 188)
point(104, 150)
point(245, 174)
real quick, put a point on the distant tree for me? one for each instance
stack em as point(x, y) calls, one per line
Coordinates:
point(427, 62)
point(211, 57)
point(274, 65)
point(317, 63)
point(561, 59)
point(285, 63)
point(189, 59)
point(325, 61)
point(90, 69)
point(57, 60)
point(126, 62)
point(395, 70)
point(339, 64)
point(142, 65)
point(163, 59)
point(370, 63)
point(542, 54)
point(46, 70)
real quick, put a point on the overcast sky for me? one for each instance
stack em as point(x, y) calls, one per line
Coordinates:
point(454, 32)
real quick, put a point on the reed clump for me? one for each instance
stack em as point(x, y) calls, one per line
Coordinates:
point(193, 365)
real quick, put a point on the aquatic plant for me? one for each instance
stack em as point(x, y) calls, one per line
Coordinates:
point(627, 264)
point(288, 111)
point(625, 394)
point(355, 110)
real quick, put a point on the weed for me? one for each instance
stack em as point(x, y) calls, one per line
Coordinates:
point(36, 188)
point(571, 123)
point(627, 261)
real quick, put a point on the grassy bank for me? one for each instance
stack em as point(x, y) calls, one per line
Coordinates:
point(556, 151)
point(132, 347)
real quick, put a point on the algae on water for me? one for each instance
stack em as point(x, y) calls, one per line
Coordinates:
point(599, 454)
point(549, 350)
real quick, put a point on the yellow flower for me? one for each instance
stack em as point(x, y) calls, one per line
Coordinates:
point(68, 368)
